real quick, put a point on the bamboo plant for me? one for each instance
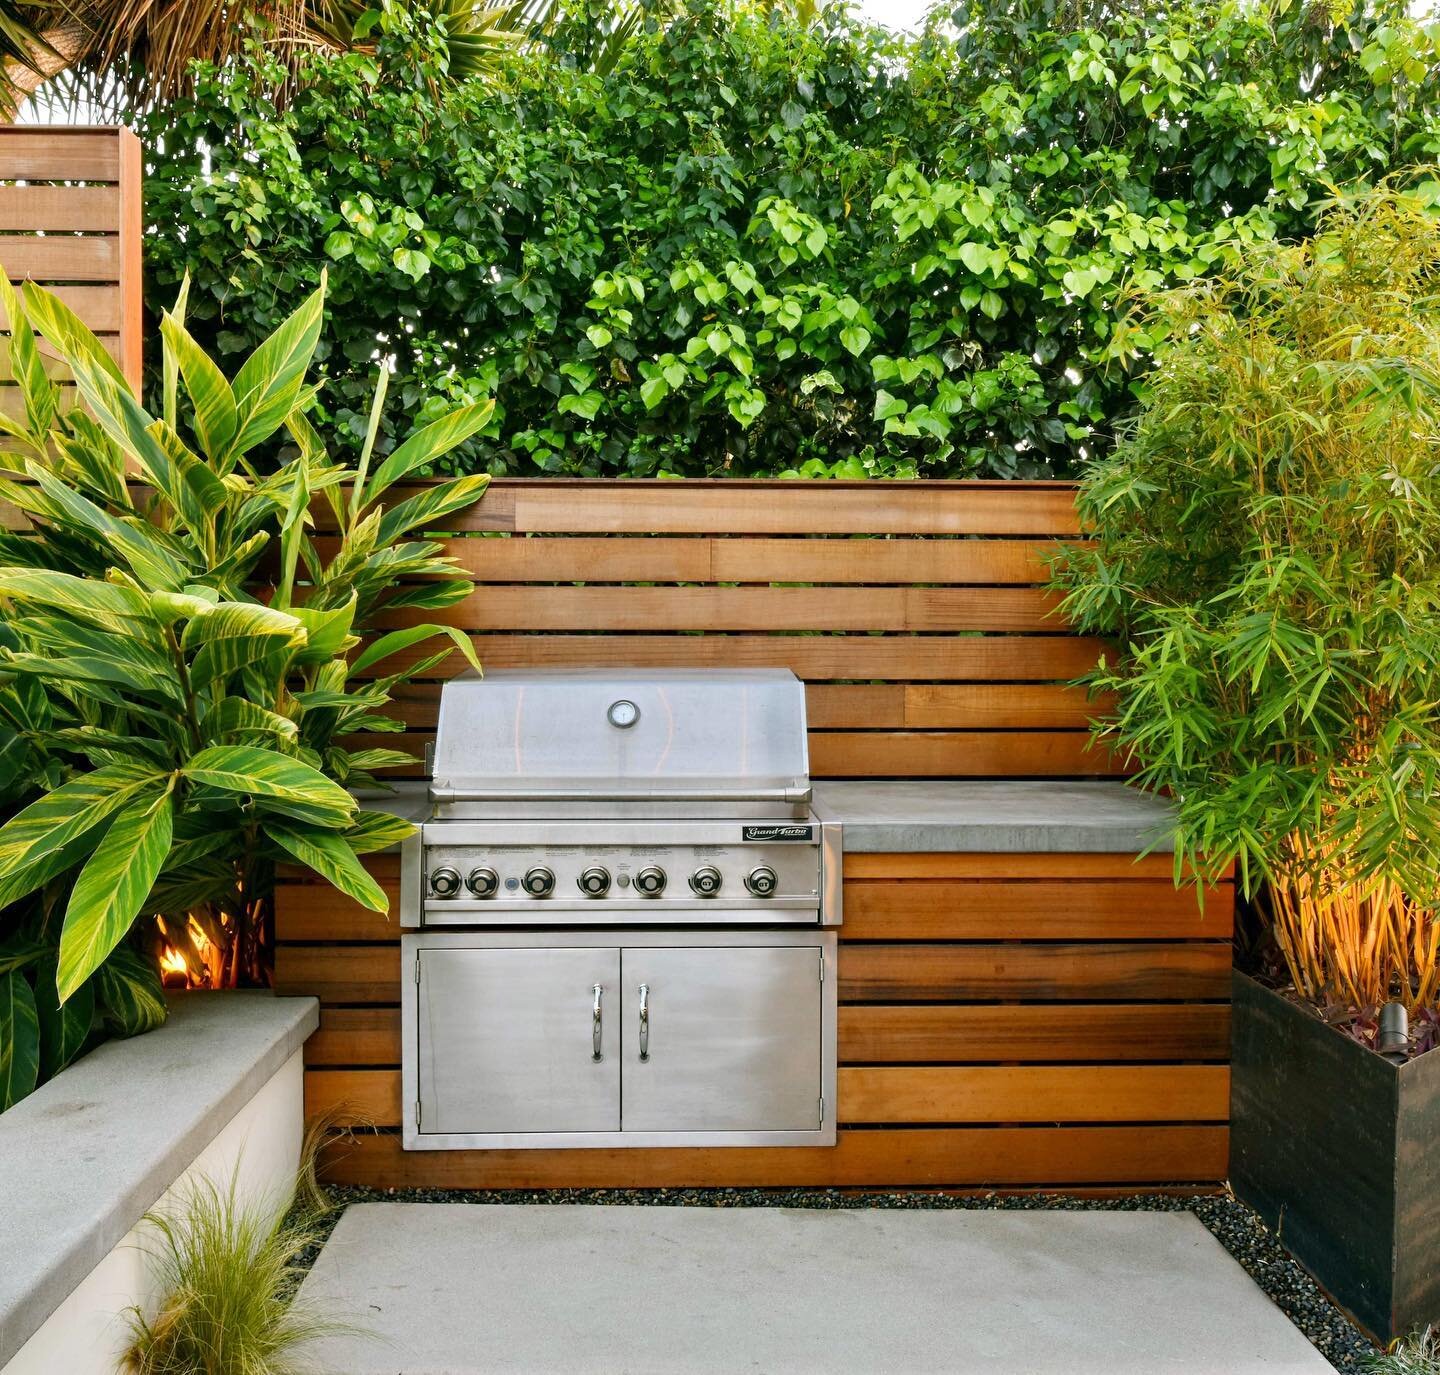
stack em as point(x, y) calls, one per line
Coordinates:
point(1267, 556)
point(185, 660)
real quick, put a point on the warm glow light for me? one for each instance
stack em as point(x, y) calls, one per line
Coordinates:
point(173, 962)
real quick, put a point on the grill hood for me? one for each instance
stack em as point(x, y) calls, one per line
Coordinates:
point(622, 736)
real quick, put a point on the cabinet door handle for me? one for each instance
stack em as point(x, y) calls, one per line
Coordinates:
point(596, 1026)
point(644, 1021)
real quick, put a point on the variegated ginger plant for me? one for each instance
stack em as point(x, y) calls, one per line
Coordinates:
point(184, 663)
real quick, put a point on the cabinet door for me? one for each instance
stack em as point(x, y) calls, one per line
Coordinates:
point(507, 1040)
point(727, 1039)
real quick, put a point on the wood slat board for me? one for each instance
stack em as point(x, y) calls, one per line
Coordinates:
point(917, 613)
point(71, 220)
point(1006, 1021)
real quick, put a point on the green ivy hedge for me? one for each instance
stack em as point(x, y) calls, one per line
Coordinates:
point(762, 246)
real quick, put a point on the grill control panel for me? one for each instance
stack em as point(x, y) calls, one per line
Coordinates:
point(484, 876)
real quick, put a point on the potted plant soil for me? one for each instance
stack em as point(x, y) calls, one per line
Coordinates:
point(1267, 561)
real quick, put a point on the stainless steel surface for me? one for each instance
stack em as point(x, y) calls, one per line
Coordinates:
point(682, 857)
point(597, 1025)
point(695, 734)
point(638, 840)
point(471, 1065)
point(644, 1024)
point(733, 1039)
point(500, 1043)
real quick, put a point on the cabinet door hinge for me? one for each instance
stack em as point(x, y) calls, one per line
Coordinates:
point(417, 1114)
point(417, 968)
point(822, 966)
point(822, 1110)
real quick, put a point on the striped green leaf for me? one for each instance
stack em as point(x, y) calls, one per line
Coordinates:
point(237, 715)
point(139, 545)
point(327, 632)
point(330, 857)
point(427, 507)
point(87, 598)
point(67, 333)
point(377, 831)
point(19, 1039)
point(128, 994)
point(427, 444)
point(231, 636)
point(265, 774)
point(396, 640)
point(215, 417)
point(268, 385)
point(41, 841)
point(64, 1027)
point(113, 885)
point(26, 365)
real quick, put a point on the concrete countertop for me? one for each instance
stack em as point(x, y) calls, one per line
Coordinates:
point(912, 816)
point(84, 1157)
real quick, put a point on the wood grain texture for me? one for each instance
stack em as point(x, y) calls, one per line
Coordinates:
point(1089, 972)
point(61, 257)
point(908, 1094)
point(351, 1037)
point(765, 507)
point(511, 607)
point(30, 208)
point(1027, 1032)
point(1012, 865)
point(814, 658)
point(740, 559)
point(876, 706)
point(1034, 973)
point(940, 1157)
point(59, 153)
point(97, 306)
point(956, 910)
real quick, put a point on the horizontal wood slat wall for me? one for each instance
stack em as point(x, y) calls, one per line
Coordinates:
point(1006, 1021)
point(71, 220)
point(916, 612)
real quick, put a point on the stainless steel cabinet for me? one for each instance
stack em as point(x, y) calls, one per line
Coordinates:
point(702, 1038)
point(517, 1040)
point(718, 1039)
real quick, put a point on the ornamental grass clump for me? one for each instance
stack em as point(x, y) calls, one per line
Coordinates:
point(1267, 559)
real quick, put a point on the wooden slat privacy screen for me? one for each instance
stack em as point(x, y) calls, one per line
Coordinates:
point(915, 612)
point(1053, 1020)
point(71, 220)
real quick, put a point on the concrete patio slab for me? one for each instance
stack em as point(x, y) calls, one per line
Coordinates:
point(460, 1289)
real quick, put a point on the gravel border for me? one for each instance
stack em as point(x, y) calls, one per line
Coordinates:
point(1238, 1229)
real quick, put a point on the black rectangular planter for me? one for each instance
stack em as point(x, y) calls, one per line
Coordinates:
point(1339, 1151)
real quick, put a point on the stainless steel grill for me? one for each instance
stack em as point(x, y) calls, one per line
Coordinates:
point(620, 916)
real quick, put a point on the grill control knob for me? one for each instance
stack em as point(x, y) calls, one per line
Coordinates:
point(706, 881)
point(445, 881)
point(595, 881)
point(483, 882)
point(539, 882)
point(650, 881)
point(761, 881)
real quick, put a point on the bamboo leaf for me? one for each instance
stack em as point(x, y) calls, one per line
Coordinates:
point(112, 886)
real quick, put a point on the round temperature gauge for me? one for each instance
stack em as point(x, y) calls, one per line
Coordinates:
point(623, 714)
